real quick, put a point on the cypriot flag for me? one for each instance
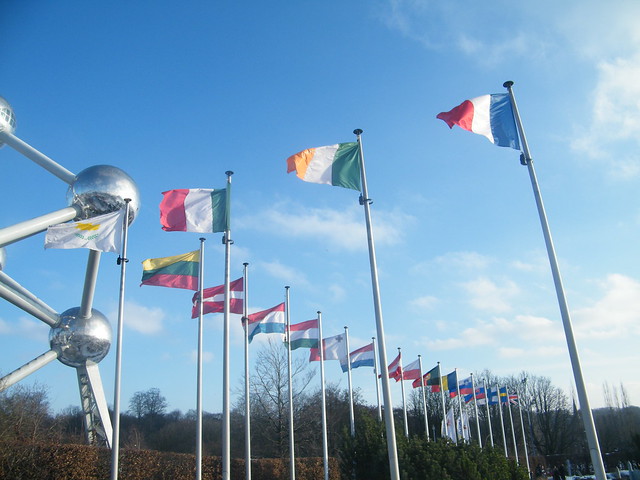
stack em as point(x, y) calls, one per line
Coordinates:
point(102, 233)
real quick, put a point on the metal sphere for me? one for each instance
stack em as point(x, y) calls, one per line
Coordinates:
point(77, 339)
point(7, 118)
point(102, 189)
point(3, 258)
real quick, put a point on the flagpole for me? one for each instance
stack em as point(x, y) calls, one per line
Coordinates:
point(352, 421)
point(487, 396)
point(513, 430)
point(325, 444)
point(226, 417)
point(247, 403)
point(424, 400)
point(292, 457)
point(583, 398)
point(365, 201)
point(459, 406)
point(444, 408)
point(504, 437)
point(524, 439)
point(475, 406)
point(375, 375)
point(199, 368)
point(404, 400)
point(122, 261)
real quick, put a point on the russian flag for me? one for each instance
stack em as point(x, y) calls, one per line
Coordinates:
point(488, 115)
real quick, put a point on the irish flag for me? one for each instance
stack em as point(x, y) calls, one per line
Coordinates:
point(337, 165)
point(179, 271)
point(488, 115)
point(304, 335)
point(194, 210)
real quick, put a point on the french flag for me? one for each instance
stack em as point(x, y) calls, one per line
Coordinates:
point(488, 115)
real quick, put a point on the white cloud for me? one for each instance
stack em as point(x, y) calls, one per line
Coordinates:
point(339, 229)
point(288, 275)
point(425, 302)
point(207, 357)
point(616, 314)
point(464, 260)
point(145, 320)
point(486, 295)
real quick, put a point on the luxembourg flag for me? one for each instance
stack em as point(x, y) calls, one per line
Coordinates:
point(267, 321)
point(362, 357)
point(337, 165)
point(488, 115)
point(194, 210)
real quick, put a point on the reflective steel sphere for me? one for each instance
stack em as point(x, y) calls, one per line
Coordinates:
point(102, 189)
point(7, 118)
point(80, 339)
point(3, 258)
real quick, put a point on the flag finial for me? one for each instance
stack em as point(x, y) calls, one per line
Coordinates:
point(357, 131)
point(507, 84)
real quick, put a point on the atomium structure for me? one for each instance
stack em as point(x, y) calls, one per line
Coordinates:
point(80, 337)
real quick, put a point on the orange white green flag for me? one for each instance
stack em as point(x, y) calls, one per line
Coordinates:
point(337, 165)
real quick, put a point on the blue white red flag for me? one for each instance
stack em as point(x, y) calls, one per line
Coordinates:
point(466, 386)
point(488, 115)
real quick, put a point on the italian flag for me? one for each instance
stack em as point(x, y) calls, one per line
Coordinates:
point(304, 335)
point(194, 210)
point(337, 165)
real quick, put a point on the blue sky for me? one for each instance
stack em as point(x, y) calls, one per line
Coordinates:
point(175, 94)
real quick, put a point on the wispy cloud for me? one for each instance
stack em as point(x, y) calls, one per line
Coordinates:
point(145, 320)
point(285, 273)
point(338, 229)
point(484, 294)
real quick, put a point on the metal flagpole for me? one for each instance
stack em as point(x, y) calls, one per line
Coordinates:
point(424, 400)
point(292, 456)
point(365, 201)
point(460, 406)
point(375, 375)
point(352, 421)
point(325, 443)
point(122, 261)
point(199, 368)
point(404, 400)
point(524, 439)
point(504, 437)
point(587, 415)
point(513, 430)
point(444, 408)
point(247, 402)
point(486, 397)
point(226, 416)
point(475, 406)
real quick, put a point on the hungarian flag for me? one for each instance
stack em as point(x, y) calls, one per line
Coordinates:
point(304, 335)
point(214, 299)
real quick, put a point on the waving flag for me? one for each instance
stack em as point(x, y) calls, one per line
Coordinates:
point(412, 371)
point(488, 115)
point(394, 369)
point(214, 299)
point(194, 210)
point(513, 399)
point(267, 321)
point(503, 395)
point(335, 348)
point(102, 233)
point(492, 395)
point(337, 165)
point(179, 271)
point(304, 334)
point(449, 383)
point(430, 379)
point(466, 386)
point(362, 357)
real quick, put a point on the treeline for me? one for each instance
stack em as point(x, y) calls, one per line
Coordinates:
point(553, 429)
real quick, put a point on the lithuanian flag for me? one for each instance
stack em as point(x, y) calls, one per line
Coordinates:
point(179, 271)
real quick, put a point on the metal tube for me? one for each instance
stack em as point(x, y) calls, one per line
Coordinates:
point(90, 279)
point(29, 305)
point(199, 373)
point(247, 404)
point(20, 290)
point(40, 158)
point(292, 456)
point(226, 415)
point(19, 231)
point(352, 421)
point(375, 376)
point(325, 441)
point(27, 369)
